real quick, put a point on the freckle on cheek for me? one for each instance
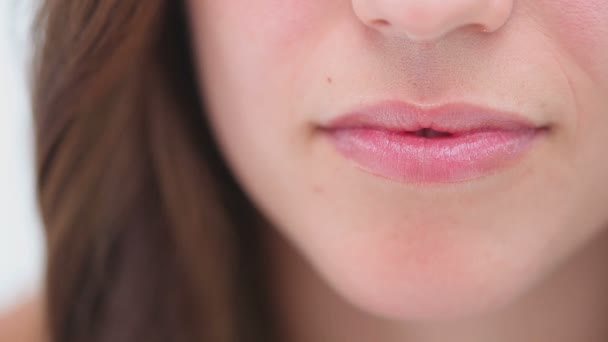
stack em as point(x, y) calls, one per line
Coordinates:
point(317, 189)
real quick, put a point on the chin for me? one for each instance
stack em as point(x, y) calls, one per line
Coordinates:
point(427, 275)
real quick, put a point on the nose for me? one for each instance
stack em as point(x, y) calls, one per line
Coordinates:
point(432, 19)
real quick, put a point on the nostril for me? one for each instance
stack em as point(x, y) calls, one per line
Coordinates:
point(380, 22)
point(480, 28)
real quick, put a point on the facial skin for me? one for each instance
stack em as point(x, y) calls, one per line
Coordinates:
point(272, 71)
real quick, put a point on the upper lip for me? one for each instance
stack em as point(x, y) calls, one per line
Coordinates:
point(451, 118)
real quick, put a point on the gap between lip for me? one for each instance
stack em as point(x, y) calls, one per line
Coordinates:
point(431, 133)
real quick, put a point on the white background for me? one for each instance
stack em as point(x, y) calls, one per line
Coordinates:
point(21, 238)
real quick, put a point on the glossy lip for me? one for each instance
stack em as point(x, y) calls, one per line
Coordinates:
point(443, 144)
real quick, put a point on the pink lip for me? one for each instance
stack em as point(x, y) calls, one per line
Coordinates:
point(445, 144)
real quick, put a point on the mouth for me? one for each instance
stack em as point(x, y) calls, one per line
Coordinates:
point(431, 133)
point(446, 144)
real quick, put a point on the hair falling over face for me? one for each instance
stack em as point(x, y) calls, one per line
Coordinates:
point(149, 239)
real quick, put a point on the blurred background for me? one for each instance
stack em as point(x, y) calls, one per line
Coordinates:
point(21, 239)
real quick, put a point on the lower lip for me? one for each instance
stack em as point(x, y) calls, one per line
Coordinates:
point(408, 158)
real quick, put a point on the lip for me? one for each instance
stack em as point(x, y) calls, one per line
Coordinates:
point(450, 143)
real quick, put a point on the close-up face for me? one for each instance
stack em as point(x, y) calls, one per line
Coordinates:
point(430, 159)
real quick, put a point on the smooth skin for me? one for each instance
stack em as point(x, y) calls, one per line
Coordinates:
point(517, 255)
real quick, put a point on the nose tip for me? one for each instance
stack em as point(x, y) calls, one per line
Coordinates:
point(431, 19)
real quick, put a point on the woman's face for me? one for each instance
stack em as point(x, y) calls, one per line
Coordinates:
point(429, 158)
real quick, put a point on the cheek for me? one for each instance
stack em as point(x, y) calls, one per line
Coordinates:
point(250, 54)
point(256, 49)
point(586, 20)
point(256, 45)
point(581, 26)
point(269, 24)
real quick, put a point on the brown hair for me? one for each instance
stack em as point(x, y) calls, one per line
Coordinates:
point(148, 236)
